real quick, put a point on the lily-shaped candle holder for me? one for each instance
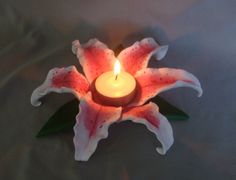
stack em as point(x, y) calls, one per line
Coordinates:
point(101, 104)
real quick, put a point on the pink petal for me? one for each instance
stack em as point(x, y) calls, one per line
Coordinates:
point(155, 122)
point(91, 126)
point(153, 81)
point(136, 57)
point(94, 57)
point(61, 80)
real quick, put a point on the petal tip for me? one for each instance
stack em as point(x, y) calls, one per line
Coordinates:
point(95, 42)
point(200, 92)
point(161, 151)
point(82, 157)
point(36, 103)
point(197, 86)
point(75, 45)
point(81, 154)
point(149, 40)
point(35, 98)
point(161, 52)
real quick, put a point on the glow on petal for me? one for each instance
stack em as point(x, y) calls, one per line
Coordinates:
point(95, 58)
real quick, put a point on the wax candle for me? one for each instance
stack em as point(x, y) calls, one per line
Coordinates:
point(116, 87)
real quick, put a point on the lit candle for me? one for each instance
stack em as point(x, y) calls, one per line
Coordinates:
point(115, 87)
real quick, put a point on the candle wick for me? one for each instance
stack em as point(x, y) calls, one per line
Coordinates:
point(116, 77)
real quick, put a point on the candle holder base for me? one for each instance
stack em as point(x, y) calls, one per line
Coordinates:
point(121, 101)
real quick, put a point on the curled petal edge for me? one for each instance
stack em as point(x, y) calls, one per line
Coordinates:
point(137, 56)
point(155, 122)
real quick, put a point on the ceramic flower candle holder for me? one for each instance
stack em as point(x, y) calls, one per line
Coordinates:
point(98, 113)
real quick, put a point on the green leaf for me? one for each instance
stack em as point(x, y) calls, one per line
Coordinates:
point(168, 110)
point(64, 117)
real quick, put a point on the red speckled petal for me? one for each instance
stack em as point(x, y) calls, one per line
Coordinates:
point(61, 80)
point(94, 57)
point(154, 121)
point(136, 57)
point(91, 126)
point(153, 81)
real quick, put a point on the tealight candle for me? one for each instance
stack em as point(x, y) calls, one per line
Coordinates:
point(116, 87)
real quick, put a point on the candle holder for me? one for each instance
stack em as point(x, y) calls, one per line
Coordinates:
point(115, 89)
point(98, 110)
point(120, 101)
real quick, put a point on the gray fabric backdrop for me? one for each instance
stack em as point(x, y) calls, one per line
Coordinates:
point(36, 36)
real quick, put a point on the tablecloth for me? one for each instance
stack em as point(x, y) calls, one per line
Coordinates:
point(36, 36)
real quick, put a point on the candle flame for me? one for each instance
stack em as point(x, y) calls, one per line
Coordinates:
point(117, 67)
